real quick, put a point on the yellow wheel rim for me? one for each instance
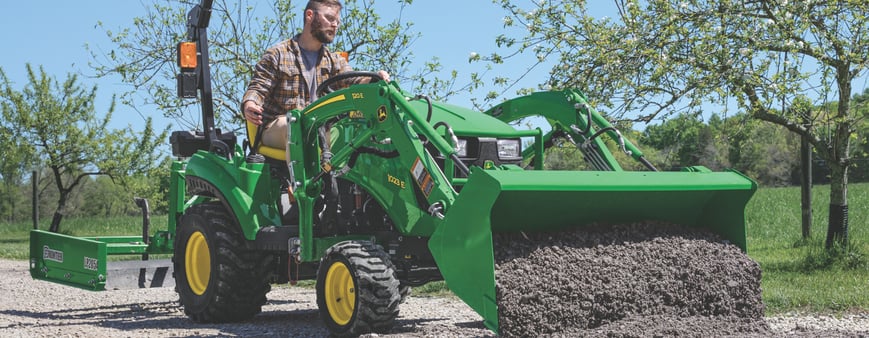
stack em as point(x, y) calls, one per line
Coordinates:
point(340, 293)
point(197, 263)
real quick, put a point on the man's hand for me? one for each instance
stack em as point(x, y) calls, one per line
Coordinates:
point(384, 75)
point(253, 112)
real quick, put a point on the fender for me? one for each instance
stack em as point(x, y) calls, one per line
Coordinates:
point(246, 189)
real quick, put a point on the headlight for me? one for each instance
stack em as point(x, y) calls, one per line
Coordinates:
point(462, 147)
point(509, 149)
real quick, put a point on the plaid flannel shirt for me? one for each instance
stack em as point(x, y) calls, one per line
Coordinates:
point(278, 84)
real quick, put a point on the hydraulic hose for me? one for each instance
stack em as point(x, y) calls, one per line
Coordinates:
point(372, 151)
point(579, 107)
point(430, 108)
point(458, 162)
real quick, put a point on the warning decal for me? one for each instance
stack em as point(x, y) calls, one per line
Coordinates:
point(422, 177)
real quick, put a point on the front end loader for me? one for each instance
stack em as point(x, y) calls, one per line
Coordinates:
point(380, 190)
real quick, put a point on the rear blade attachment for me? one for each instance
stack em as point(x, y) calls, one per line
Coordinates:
point(82, 262)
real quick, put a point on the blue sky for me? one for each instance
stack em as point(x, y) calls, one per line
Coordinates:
point(52, 34)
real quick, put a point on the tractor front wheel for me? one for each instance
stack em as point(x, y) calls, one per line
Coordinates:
point(357, 291)
point(219, 278)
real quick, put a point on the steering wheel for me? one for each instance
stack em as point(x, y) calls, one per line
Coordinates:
point(326, 86)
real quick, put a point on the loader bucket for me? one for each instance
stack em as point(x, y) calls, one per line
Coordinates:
point(549, 201)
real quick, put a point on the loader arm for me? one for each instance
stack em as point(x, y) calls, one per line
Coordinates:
point(571, 116)
point(370, 135)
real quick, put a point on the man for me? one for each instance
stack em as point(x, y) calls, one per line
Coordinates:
point(288, 74)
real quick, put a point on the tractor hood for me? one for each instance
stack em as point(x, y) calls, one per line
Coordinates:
point(464, 121)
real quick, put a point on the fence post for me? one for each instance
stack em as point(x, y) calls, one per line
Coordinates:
point(34, 178)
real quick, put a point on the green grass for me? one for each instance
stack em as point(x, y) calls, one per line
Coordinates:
point(433, 289)
point(15, 237)
point(15, 240)
point(798, 275)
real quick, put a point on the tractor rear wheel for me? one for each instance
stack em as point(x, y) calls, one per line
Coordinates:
point(357, 291)
point(218, 276)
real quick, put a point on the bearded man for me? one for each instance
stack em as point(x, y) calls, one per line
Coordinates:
point(289, 72)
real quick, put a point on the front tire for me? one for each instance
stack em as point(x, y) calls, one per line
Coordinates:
point(357, 291)
point(218, 277)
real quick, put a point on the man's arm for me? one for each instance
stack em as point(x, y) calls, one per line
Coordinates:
point(262, 82)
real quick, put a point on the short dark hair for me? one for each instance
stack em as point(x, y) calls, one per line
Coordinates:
point(317, 4)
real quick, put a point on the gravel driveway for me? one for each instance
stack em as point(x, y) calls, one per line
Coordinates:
point(31, 308)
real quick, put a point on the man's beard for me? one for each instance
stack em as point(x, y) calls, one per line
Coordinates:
point(321, 32)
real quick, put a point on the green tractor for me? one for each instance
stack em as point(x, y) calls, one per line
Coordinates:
point(381, 191)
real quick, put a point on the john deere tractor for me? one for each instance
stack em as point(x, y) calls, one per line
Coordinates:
point(382, 190)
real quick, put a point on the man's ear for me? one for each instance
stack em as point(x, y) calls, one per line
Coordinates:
point(309, 15)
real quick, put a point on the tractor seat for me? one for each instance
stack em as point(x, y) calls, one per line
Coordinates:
point(273, 153)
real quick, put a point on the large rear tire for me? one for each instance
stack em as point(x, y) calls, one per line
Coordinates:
point(357, 291)
point(218, 276)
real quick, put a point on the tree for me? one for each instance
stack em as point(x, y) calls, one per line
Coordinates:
point(58, 125)
point(239, 32)
point(678, 140)
point(774, 59)
point(13, 167)
point(768, 154)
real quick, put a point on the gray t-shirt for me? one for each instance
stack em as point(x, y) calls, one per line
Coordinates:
point(310, 72)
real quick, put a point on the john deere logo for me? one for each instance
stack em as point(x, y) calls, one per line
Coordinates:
point(381, 113)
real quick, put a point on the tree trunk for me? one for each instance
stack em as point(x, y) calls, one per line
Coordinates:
point(58, 213)
point(837, 230)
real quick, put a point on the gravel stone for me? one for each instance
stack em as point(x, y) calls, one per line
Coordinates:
point(633, 280)
point(35, 308)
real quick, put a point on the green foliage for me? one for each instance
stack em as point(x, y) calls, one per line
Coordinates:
point(860, 154)
point(564, 156)
point(55, 126)
point(16, 159)
point(678, 139)
point(666, 56)
point(769, 154)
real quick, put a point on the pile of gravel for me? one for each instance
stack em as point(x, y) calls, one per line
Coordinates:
point(626, 280)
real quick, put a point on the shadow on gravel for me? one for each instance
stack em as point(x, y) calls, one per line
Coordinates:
point(101, 313)
point(168, 315)
point(410, 325)
point(435, 327)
